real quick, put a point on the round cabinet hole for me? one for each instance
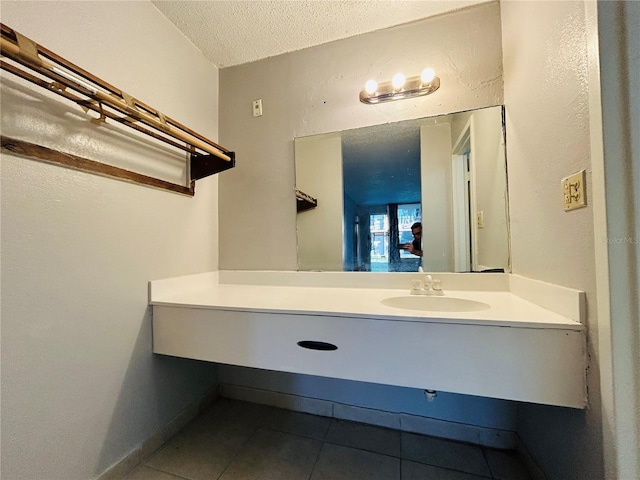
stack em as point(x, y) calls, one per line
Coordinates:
point(314, 345)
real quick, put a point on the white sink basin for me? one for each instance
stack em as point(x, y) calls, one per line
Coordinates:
point(435, 304)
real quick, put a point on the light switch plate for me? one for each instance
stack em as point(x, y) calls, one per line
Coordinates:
point(257, 108)
point(574, 191)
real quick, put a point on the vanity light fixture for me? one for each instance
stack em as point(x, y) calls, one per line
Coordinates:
point(400, 87)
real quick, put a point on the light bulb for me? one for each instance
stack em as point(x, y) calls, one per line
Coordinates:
point(427, 75)
point(398, 81)
point(371, 86)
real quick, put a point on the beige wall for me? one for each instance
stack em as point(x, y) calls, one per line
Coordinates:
point(435, 181)
point(80, 385)
point(316, 91)
point(546, 100)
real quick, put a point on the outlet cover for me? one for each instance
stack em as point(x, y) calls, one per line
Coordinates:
point(574, 191)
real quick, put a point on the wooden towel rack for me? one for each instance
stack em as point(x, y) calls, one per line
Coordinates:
point(91, 93)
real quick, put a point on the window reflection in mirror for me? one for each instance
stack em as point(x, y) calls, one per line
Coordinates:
point(374, 183)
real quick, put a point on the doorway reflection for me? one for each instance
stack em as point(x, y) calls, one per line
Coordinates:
point(379, 231)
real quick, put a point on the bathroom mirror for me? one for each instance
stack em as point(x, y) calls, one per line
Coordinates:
point(373, 183)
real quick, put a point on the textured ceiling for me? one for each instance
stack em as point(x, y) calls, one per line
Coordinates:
point(381, 163)
point(230, 32)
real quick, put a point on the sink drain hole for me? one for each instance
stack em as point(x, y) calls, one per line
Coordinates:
point(314, 345)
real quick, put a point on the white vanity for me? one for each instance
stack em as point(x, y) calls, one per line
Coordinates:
point(503, 336)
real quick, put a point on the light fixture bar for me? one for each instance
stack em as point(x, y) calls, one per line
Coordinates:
point(413, 87)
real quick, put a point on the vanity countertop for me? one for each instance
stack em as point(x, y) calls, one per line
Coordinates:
point(210, 291)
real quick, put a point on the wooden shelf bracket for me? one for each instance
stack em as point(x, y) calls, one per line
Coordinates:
point(304, 201)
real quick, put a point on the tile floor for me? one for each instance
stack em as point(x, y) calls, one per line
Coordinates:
point(235, 440)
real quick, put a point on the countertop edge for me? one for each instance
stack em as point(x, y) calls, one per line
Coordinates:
point(573, 326)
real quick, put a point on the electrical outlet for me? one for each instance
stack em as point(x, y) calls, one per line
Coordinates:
point(480, 219)
point(257, 108)
point(574, 191)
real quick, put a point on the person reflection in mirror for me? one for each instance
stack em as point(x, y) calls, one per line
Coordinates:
point(415, 247)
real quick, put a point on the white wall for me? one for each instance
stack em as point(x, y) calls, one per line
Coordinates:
point(80, 385)
point(315, 91)
point(546, 98)
point(319, 174)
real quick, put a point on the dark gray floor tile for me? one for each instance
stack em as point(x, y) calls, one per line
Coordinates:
point(505, 465)
point(202, 452)
point(236, 440)
point(271, 455)
point(365, 437)
point(420, 471)
point(444, 453)
point(238, 411)
point(344, 463)
point(298, 423)
point(146, 473)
